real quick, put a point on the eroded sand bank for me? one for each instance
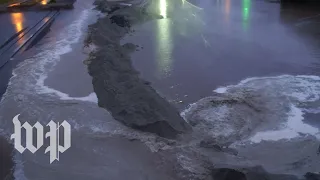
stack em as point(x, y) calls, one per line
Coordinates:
point(134, 102)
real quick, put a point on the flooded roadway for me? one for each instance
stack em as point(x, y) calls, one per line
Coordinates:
point(198, 47)
point(201, 46)
point(17, 21)
point(21, 26)
point(250, 50)
point(14, 23)
point(51, 83)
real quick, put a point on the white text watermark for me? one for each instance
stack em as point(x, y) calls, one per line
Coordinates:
point(54, 147)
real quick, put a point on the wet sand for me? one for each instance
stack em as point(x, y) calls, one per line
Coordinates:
point(131, 100)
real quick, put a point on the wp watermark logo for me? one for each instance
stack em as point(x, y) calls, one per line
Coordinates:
point(54, 148)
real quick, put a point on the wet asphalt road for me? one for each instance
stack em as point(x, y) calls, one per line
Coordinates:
point(194, 49)
point(231, 40)
point(15, 22)
point(201, 45)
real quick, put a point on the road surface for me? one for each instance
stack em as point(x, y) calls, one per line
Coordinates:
point(196, 48)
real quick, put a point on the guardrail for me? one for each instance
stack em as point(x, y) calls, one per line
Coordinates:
point(43, 27)
point(12, 38)
point(26, 39)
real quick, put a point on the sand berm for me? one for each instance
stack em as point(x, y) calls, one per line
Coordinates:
point(132, 100)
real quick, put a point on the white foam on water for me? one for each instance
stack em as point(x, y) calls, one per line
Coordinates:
point(221, 90)
point(92, 97)
point(291, 129)
point(51, 55)
point(36, 68)
point(9, 84)
point(312, 111)
point(187, 110)
point(253, 79)
point(300, 89)
point(18, 168)
point(30, 74)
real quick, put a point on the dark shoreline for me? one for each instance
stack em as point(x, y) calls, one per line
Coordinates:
point(130, 99)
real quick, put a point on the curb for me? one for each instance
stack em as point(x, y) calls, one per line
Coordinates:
point(35, 37)
point(32, 36)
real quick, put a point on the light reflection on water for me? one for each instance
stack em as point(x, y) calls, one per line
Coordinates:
point(246, 8)
point(164, 42)
point(163, 8)
point(249, 38)
point(17, 20)
point(44, 2)
point(46, 19)
point(227, 9)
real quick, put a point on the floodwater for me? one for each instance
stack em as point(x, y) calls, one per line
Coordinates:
point(202, 45)
point(17, 21)
point(197, 47)
point(51, 83)
point(265, 54)
point(14, 23)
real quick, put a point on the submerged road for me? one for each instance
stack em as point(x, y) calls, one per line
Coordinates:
point(197, 47)
point(200, 45)
point(252, 49)
point(15, 22)
point(23, 29)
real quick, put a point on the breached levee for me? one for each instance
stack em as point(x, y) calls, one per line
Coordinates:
point(119, 89)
